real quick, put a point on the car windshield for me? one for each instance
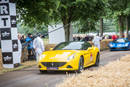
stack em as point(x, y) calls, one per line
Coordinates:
point(120, 41)
point(72, 46)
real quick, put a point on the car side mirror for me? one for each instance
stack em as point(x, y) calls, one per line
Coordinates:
point(51, 48)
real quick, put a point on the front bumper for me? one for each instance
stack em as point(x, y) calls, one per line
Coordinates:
point(67, 66)
point(118, 48)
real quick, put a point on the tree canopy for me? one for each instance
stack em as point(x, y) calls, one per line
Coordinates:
point(120, 10)
point(53, 11)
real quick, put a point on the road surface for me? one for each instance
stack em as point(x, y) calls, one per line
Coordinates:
point(30, 77)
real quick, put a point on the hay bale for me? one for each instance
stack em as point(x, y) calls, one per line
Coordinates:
point(104, 43)
point(48, 46)
point(24, 56)
point(115, 74)
point(0, 60)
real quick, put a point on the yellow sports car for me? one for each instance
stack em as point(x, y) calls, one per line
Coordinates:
point(69, 56)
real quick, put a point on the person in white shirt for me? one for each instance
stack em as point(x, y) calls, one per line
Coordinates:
point(96, 41)
point(19, 49)
point(38, 46)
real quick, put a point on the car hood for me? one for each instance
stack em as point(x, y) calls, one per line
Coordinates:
point(57, 55)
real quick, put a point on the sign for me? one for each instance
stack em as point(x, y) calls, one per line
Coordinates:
point(5, 34)
point(15, 45)
point(9, 39)
point(57, 34)
point(7, 58)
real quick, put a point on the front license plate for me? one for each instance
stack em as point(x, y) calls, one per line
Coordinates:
point(52, 68)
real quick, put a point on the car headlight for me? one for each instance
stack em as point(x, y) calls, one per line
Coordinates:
point(41, 56)
point(126, 44)
point(71, 57)
point(111, 45)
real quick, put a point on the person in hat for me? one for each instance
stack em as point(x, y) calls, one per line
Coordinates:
point(38, 46)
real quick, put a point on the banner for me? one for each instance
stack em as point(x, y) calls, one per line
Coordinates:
point(8, 30)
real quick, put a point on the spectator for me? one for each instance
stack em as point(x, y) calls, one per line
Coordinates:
point(19, 49)
point(86, 38)
point(38, 46)
point(114, 37)
point(78, 38)
point(74, 38)
point(22, 40)
point(29, 43)
point(96, 41)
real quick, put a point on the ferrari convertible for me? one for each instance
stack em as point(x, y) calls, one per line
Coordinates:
point(69, 56)
point(119, 44)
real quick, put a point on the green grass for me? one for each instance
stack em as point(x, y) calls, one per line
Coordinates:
point(23, 65)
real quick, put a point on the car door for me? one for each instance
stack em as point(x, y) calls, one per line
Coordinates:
point(86, 57)
point(90, 50)
point(87, 53)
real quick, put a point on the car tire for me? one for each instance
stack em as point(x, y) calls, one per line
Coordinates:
point(81, 63)
point(110, 49)
point(97, 60)
point(42, 71)
point(129, 47)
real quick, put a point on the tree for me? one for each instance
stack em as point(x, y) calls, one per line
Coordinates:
point(127, 26)
point(65, 11)
point(120, 10)
point(101, 26)
point(86, 26)
point(89, 24)
point(23, 29)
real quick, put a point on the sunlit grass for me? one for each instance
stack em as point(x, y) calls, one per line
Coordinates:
point(114, 74)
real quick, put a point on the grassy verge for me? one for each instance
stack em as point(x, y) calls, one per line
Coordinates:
point(23, 65)
point(114, 74)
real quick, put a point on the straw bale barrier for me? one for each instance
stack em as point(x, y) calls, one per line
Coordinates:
point(48, 46)
point(104, 44)
point(114, 74)
point(0, 60)
point(24, 56)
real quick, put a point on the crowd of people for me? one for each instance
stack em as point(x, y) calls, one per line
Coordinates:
point(91, 37)
point(95, 39)
point(33, 43)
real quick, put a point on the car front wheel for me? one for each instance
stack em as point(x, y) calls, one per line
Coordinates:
point(42, 71)
point(97, 60)
point(81, 63)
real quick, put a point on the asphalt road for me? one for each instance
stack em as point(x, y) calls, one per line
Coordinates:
point(30, 77)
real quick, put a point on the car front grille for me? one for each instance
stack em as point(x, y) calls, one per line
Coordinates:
point(53, 64)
